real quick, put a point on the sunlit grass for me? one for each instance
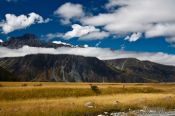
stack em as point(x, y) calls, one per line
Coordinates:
point(69, 99)
point(36, 92)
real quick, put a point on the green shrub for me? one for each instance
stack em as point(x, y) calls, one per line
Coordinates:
point(95, 89)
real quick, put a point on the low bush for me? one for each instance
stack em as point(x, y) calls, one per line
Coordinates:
point(24, 85)
point(95, 89)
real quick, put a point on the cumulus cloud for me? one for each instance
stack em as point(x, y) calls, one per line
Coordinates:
point(79, 31)
point(134, 37)
point(85, 33)
point(13, 22)
point(101, 53)
point(161, 30)
point(68, 11)
point(153, 17)
point(60, 42)
point(95, 35)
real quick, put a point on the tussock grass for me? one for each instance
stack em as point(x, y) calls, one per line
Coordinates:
point(75, 106)
point(69, 99)
point(23, 93)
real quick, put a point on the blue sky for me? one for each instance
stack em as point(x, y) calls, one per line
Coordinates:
point(94, 15)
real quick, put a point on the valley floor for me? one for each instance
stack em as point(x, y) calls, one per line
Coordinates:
point(79, 99)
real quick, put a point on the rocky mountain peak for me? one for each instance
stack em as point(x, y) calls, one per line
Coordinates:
point(32, 41)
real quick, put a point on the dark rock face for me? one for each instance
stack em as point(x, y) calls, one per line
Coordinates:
point(72, 68)
point(149, 71)
point(6, 75)
point(30, 40)
point(67, 68)
point(18, 42)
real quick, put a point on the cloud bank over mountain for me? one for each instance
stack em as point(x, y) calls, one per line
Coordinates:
point(101, 53)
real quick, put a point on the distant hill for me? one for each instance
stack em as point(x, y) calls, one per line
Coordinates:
point(72, 68)
point(144, 69)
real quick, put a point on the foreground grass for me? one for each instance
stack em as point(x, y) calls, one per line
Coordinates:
point(67, 99)
point(75, 106)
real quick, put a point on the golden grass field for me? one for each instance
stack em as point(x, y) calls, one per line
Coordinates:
point(71, 99)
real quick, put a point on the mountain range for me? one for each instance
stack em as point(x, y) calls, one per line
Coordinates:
point(30, 40)
point(73, 68)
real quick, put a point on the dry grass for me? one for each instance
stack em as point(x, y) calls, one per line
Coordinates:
point(36, 91)
point(68, 99)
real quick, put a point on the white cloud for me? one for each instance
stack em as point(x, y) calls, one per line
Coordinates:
point(101, 53)
point(85, 33)
point(68, 11)
point(99, 20)
point(95, 35)
point(161, 30)
point(79, 31)
point(1, 41)
point(166, 30)
point(14, 22)
point(82, 32)
point(134, 37)
point(153, 17)
point(60, 42)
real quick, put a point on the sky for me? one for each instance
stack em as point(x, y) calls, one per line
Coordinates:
point(127, 25)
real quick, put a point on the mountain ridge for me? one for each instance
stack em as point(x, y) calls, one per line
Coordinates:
point(145, 69)
point(73, 68)
point(30, 40)
point(56, 67)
